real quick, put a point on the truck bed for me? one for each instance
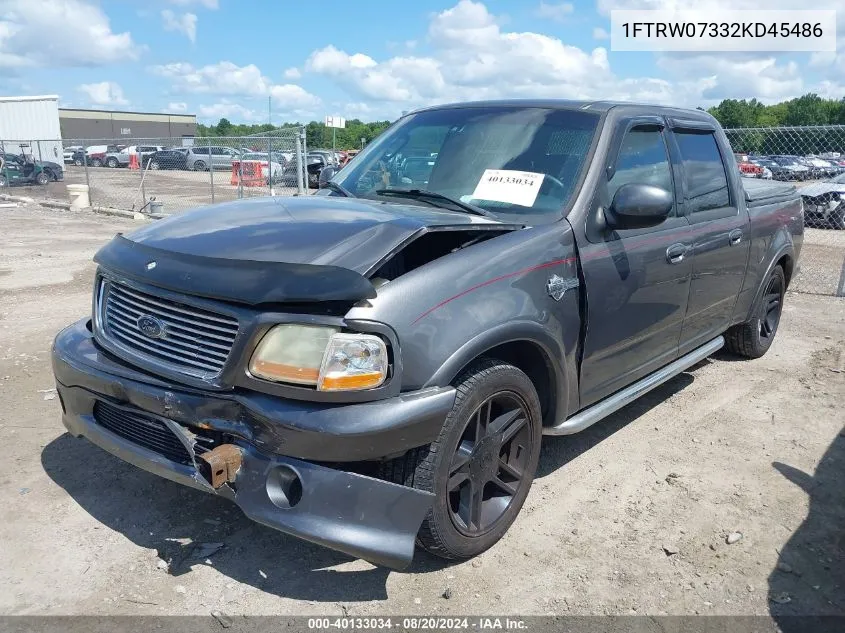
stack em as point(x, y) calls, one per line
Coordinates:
point(759, 193)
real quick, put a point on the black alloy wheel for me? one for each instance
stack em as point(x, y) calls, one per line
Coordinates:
point(754, 337)
point(481, 466)
point(771, 307)
point(488, 465)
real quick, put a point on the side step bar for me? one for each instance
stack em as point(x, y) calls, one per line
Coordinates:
point(604, 408)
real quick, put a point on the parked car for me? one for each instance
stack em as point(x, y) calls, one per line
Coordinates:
point(375, 365)
point(817, 167)
point(121, 158)
point(22, 170)
point(272, 172)
point(315, 162)
point(173, 158)
point(69, 151)
point(200, 158)
point(95, 154)
point(824, 203)
point(790, 168)
point(750, 169)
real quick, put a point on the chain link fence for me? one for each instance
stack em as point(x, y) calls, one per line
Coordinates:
point(169, 175)
point(164, 175)
point(813, 159)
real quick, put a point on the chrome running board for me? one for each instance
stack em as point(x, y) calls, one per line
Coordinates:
point(611, 404)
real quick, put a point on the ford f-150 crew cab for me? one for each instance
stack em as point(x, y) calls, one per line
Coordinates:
point(375, 365)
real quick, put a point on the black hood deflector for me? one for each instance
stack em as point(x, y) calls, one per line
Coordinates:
point(238, 281)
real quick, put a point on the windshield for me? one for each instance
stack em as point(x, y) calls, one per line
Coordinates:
point(508, 160)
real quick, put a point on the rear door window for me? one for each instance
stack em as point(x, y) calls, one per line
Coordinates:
point(705, 178)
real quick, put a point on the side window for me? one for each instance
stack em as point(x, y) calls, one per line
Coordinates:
point(642, 159)
point(705, 179)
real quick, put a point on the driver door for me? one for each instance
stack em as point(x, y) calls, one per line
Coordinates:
point(637, 280)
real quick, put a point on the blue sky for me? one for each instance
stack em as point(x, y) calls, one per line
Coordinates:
point(370, 59)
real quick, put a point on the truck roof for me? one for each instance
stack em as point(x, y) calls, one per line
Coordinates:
point(571, 104)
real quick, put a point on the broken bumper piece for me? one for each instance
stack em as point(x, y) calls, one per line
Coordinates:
point(361, 516)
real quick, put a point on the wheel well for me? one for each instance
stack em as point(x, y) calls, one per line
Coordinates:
point(533, 360)
point(786, 262)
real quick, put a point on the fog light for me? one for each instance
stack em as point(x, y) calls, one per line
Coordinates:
point(284, 487)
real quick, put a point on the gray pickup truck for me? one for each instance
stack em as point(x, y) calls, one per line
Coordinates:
point(374, 366)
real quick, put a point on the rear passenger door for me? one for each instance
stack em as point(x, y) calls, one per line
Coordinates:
point(719, 230)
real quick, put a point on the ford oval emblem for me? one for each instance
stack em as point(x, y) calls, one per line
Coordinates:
point(150, 326)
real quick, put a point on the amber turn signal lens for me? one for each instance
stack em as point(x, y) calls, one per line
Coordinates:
point(348, 383)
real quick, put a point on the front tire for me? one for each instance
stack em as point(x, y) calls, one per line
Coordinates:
point(481, 466)
point(42, 179)
point(112, 162)
point(753, 338)
point(96, 163)
point(199, 166)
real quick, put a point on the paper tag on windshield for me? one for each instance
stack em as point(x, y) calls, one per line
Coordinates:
point(505, 185)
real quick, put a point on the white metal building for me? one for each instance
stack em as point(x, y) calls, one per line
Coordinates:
point(30, 125)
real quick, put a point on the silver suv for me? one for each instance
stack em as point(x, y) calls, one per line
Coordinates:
point(218, 157)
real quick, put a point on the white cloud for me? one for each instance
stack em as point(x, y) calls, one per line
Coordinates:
point(473, 56)
point(557, 12)
point(59, 34)
point(177, 107)
point(226, 110)
point(292, 73)
point(105, 93)
point(226, 78)
point(208, 4)
point(185, 24)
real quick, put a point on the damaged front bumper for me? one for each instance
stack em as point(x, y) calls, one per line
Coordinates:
point(112, 405)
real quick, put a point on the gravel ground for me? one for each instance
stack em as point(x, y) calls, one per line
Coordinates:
point(634, 515)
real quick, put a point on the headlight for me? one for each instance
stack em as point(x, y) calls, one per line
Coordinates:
point(320, 356)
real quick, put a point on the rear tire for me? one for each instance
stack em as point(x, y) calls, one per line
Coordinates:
point(481, 466)
point(154, 165)
point(78, 162)
point(112, 162)
point(753, 338)
point(199, 166)
point(96, 163)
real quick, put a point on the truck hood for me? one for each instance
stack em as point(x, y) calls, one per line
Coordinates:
point(268, 250)
point(319, 230)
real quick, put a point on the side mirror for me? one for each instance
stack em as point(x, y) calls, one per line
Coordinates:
point(638, 206)
point(327, 174)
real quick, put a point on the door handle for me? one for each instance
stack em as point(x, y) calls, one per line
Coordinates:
point(735, 236)
point(675, 254)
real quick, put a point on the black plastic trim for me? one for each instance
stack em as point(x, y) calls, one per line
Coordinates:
point(239, 281)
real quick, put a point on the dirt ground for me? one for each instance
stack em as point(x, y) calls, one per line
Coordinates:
point(631, 516)
point(177, 190)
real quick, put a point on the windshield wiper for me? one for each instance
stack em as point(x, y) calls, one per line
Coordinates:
point(337, 188)
point(421, 194)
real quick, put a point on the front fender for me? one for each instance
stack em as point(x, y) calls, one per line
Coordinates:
point(527, 333)
point(458, 307)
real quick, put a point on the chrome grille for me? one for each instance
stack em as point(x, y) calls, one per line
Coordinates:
point(193, 340)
